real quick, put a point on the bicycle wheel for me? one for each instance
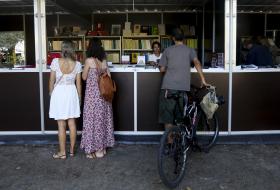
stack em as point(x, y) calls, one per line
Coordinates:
point(172, 157)
point(207, 131)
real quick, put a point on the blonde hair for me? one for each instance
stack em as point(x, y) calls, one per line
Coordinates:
point(67, 50)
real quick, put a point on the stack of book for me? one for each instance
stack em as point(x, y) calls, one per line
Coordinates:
point(161, 29)
point(188, 30)
point(111, 44)
point(127, 29)
point(220, 60)
point(192, 43)
point(113, 57)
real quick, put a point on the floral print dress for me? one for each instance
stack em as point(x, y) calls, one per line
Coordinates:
point(98, 129)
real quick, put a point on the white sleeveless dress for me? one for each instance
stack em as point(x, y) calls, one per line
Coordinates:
point(64, 103)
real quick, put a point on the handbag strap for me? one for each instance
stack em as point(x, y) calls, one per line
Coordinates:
point(58, 81)
point(62, 74)
point(98, 66)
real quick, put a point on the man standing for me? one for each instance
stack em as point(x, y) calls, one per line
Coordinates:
point(176, 64)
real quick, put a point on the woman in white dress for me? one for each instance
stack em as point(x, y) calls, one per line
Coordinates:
point(65, 96)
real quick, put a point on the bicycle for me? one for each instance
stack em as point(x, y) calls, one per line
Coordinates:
point(192, 132)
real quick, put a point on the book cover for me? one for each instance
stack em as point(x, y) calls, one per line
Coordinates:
point(154, 30)
point(161, 29)
point(141, 60)
point(115, 30)
point(137, 28)
point(134, 57)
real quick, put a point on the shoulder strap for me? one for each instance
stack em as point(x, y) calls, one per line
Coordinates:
point(58, 81)
point(98, 66)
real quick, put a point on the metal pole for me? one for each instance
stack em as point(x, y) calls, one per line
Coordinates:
point(132, 5)
point(57, 21)
point(214, 27)
point(92, 22)
point(265, 23)
point(230, 66)
point(202, 49)
point(40, 62)
point(24, 29)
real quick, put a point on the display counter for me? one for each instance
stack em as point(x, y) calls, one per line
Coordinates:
point(254, 99)
point(20, 101)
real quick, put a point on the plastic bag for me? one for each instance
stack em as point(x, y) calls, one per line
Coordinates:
point(209, 103)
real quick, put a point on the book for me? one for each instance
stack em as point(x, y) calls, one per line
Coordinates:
point(154, 30)
point(137, 28)
point(115, 30)
point(127, 25)
point(220, 60)
point(56, 45)
point(134, 57)
point(125, 59)
point(141, 60)
point(161, 29)
point(113, 57)
point(51, 56)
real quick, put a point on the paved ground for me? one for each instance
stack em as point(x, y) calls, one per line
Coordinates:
point(134, 167)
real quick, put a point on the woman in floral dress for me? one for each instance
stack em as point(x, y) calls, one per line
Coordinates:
point(98, 129)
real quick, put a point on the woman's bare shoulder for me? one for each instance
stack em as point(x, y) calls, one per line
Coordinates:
point(90, 62)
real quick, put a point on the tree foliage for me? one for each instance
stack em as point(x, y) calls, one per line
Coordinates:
point(9, 39)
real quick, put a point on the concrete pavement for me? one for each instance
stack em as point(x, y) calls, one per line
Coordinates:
point(134, 167)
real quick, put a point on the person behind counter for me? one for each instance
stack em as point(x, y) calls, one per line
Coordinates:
point(98, 129)
point(155, 57)
point(258, 54)
point(65, 96)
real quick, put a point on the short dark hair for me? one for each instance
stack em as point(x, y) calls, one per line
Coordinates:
point(156, 43)
point(95, 49)
point(178, 34)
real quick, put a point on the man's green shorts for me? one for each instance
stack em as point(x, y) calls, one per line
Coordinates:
point(168, 110)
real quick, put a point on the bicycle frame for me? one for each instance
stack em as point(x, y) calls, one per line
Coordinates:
point(188, 124)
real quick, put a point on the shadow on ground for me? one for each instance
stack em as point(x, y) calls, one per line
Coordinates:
point(134, 167)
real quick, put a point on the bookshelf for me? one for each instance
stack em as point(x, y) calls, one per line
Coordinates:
point(190, 41)
point(138, 45)
point(165, 42)
point(54, 47)
point(112, 47)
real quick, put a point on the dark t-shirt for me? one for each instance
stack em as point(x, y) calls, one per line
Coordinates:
point(177, 59)
point(259, 55)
